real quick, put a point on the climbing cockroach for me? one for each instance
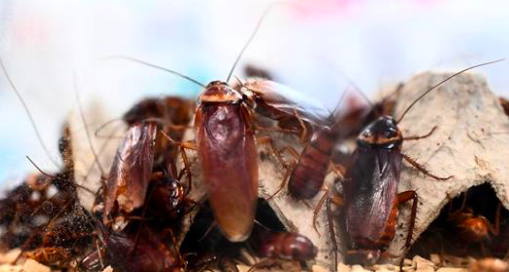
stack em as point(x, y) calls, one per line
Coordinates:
point(308, 174)
point(370, 193)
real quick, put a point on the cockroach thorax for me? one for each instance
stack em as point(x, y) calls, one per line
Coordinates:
point(219, 92)
point(383, 132)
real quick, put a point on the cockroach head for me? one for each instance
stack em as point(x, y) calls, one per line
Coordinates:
point(381, 133)
point(219, 92)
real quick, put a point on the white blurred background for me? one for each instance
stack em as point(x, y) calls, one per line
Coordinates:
point(372, 42)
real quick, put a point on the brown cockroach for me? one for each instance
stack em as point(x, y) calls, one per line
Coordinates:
point(371, 201)
point(143, 149)
point(127, 251)
point(283, 245)
point(280, 246)
point(473, 228)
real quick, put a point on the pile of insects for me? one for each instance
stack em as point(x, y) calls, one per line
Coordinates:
point(146, 198)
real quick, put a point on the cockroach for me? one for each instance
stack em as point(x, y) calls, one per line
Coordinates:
point(293, 111)
point(472, 228)
point(152, 252)
point(274, 247)
point(283, 245)
point(143, 149)
point(371, 200)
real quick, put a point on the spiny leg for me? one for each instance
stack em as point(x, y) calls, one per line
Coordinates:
point(284, 181)
point(331, 231)
point(336, 200)
point(402, 198)
point(413, 138)
point(422, 169)
point(267, 140)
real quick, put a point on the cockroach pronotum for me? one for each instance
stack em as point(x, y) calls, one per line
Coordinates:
point(370, 194)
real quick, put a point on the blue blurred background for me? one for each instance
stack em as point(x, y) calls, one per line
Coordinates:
point(306, 47)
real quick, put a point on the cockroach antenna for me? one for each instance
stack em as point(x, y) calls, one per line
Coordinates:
point(38, 168)
point(122, 57)
point(253, 34)
point(32, 121)
point(89, 139)
point(444, 81)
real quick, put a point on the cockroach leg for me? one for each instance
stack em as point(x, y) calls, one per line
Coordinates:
point(495, 228)
point(173, 239)
point(291, 151)
point(284, 181)
point(185, 160)
point(188, 144)
point(330, 220)
point(304, 132)
point(338, 169)
point(412, 138)
point(336, 200)
point(422, 169)
point(462, 208)
point(267, 140)
point(402, 198)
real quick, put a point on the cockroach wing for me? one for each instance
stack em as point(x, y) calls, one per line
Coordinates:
point(229, 159)
point(131, 169)
point(286, 99)
point(370, 193)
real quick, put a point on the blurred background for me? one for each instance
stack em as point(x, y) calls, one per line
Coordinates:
point(310, 48)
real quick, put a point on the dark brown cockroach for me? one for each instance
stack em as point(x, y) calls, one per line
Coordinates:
point(152, 252)
point(370, 194)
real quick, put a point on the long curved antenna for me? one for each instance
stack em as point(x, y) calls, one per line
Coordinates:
point(32, 121)
point(442, 82)
point(253, 34)
point(122, 57)
point(89, 139)
point(39, 169)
